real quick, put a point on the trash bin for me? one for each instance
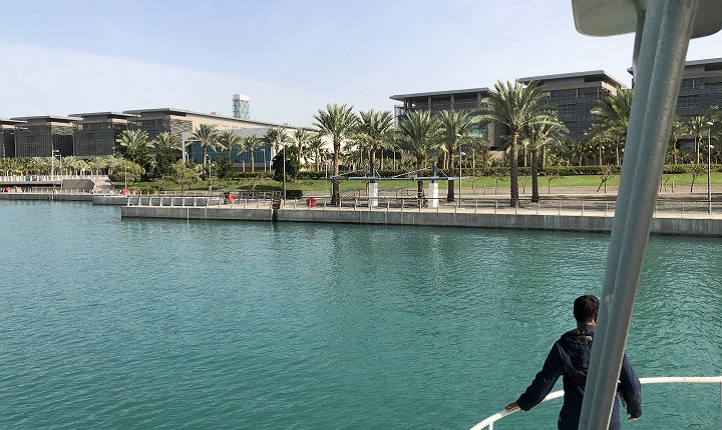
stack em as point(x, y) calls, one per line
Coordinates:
point(231, 198)
point(310, 202)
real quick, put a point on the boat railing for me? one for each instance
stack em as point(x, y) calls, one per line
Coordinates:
point(488, 423)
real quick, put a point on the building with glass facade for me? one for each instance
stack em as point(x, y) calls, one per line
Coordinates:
point(574, 95)
point(43, 136)
point(7, 137)
point(95, 133)
point(454, 100)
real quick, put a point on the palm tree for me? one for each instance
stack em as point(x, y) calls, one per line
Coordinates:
point(252, 143)
point(301, 136)
point(136, 144)
point(515, 105)
point(228, 140)
point(373, 130)
point(207, 136)
point(276, 136)
point(612, 121)
point(678, 130)
point(167, 139)
point(338, 123)
point(315, 147)
point(536, 136)
point(420, 135)
point(697, 126)
point(455, 126)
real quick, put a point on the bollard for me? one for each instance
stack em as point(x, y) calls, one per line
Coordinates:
point(582, 209)
point(475, 205)
point(496, 205)
point(537, 208)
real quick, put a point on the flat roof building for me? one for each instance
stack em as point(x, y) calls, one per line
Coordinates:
point(7, 136)
point(574, 95)
point(96, 132)
point(701, 87)
point(44, 136)
point(453, 100)
point(181, 123)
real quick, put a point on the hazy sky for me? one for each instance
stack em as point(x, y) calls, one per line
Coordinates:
point(290, 56)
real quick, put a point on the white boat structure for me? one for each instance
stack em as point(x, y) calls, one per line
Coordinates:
point(663, 29)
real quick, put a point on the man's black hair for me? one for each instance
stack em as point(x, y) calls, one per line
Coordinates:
point(586, 308)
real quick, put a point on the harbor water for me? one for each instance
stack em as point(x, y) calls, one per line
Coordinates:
point(110, 323)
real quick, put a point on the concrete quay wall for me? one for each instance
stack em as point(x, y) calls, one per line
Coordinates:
point(596, 223)
point(47, 197)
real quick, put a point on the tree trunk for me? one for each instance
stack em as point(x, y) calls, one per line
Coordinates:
point(450, 189)
point(335, 193)
point(514, 170)
point(534, 178)
point(419, 184)
point(253, 162)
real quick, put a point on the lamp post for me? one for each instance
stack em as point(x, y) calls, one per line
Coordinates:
point(709, 167)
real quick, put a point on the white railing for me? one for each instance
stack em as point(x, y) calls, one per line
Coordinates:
point(488, 423)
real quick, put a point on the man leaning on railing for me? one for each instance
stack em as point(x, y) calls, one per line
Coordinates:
point(569, 357)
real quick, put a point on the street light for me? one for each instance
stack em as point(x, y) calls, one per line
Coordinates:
point(709, 166)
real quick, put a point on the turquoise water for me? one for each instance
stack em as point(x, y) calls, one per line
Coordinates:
point(111, 323)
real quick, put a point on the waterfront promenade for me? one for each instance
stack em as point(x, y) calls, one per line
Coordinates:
point(681, 215)
point(563, 209)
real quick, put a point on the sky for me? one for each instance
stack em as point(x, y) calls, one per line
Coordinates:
point(291, 57)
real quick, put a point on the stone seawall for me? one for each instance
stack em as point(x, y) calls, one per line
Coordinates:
point(47, 197)
point(596, 223)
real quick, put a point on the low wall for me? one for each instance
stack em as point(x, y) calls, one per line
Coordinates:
point(684, 226)
point(47, 197)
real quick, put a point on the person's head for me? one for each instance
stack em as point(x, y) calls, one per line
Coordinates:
point(586, 309)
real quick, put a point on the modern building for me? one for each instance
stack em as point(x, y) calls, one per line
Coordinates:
point(7, 136)
point(44, 136)
point(701, 88)
point(574, 95)
point(95, 133)
point(181, 123)
point(453, 100)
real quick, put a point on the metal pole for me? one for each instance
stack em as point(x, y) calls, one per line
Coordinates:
point(667, 28)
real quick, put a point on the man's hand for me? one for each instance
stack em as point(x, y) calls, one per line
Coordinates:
point(511, 407)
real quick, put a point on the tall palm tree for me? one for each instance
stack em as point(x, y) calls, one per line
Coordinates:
point(536, 136)
point(373, 130)
point(315, 147)
point(454, 126)
point(515, 105)
point(207, 136)
point(612, 121)
point(420, 135)
point(338, 123)
point(678, 130)
point(276, 136)
point(229, 141)
point(697, 126)
point(301, 137)
point(252, 143)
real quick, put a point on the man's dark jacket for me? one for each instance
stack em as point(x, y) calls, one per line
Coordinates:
point(570, 358)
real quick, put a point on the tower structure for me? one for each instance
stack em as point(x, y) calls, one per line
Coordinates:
point(241, 106)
